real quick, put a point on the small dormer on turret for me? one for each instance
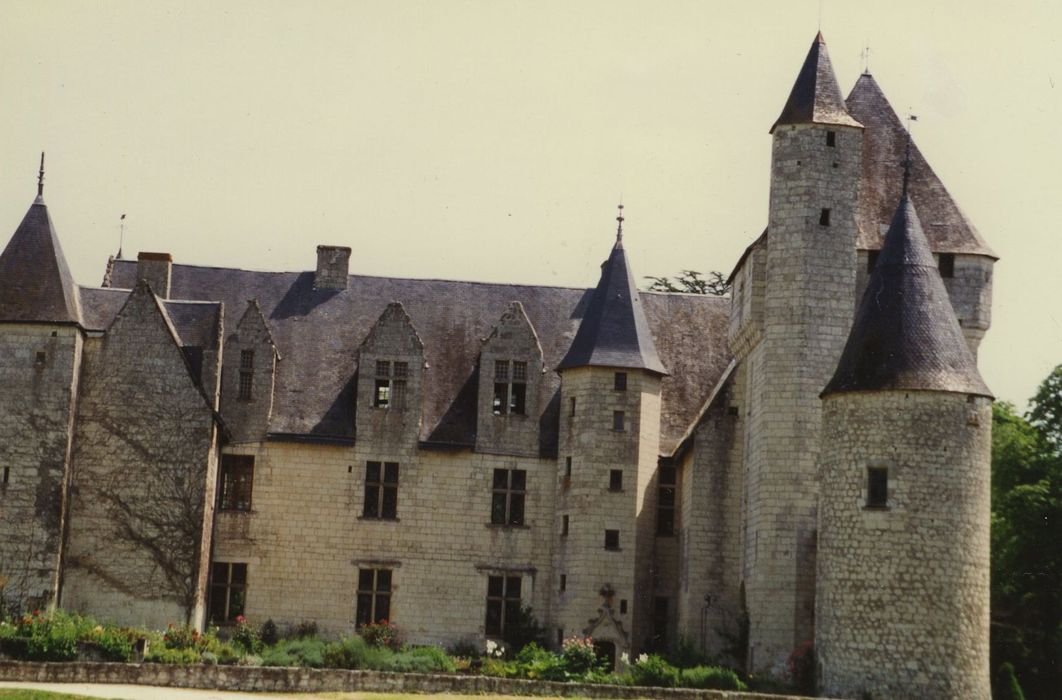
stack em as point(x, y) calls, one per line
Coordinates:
point(35, 282)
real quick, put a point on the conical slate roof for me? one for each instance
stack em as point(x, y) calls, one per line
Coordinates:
point(884, 143)
point(614, 331)
point(35, 282)
point(905, 334)
point(816, 96)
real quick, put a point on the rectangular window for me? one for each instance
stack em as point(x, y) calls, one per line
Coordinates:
point(615, 480)
point(507, 503)
point(831, 138)
point(620, 381)
point(237, 480)
point(510, 389)
point(42, 357)
point(563, 582)
point(665, 504)
point(617, 421)
point(228, 591)
point(824, 217)
point(246, 374)
point(390, 388)
point(564, 526)
point(946, 265)
point(374, 596)
point(877, 487)
point(503, 603)
point(6, 478)
point(568, 467)
point(381, 490)
point(572, 400)
point(872, 259)
point(611, 539)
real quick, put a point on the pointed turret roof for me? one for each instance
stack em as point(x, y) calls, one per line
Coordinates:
point(816, 96)
point(614, 331)
point(884, 141)
point(35, 281)
point(905, 335)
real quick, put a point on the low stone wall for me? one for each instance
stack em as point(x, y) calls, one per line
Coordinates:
point(280, 680)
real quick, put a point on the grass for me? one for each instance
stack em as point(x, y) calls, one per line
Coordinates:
point(23, 694)
point(20, 694)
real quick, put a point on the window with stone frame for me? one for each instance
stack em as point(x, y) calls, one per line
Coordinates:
point(374, 596)
point(389, 390)
point(619, 381)
point(237, 481)
point(381, 490)
point(246, 389)
point(228, 591)
point(612, 539)
point(618, 421)
point(877, 487)
point(507, 499)
point(503, 603)
point(510, 388)
point(615, 480)
point(665, 501)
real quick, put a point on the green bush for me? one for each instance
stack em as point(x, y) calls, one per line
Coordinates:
point(685, 653)
point(539, 664)
point(168, 655)
point(499, 668)
point(349, 652)
point(711, 678)
point(653, 670)
point(381, 634)
point(1006, 685)
point(269, 634)
point(42, 637)
point(579, 656)
point(419, 660)
point(246, 636)
point(115, 643)
point(308, 653)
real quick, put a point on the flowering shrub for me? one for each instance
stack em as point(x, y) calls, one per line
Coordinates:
point(579, 656)
point(653, 670)
point(41, 637)
point(381, 634)
point(181, 637)
point(246, 636)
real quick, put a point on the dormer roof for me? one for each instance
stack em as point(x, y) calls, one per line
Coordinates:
point(35, 281)
point(614, 331)
point(905, 335)
point(816, 96)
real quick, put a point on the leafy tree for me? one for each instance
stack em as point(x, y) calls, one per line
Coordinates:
point(691, 282)
point(1026, 537)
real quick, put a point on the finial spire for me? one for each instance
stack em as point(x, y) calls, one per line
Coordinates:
point(40, 178)
point(907, 154)
point(121, 236)
point(619, 227)
point(866, 59)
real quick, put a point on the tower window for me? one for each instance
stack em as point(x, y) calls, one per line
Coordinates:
point(572, 403)
point(615, 480)
point(612, 539)
point(620, 382)
point(568, 467)
point(617, 421)
point(877, 487)
point(665, 503)
point(872, 259)
point(946, 265)
point(824, 217)
point(6, 479)
point(831, 138)
point(510, 387)
point(564, 526)
point(563, 582)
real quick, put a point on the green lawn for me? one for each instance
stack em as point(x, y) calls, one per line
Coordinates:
point(21, 694)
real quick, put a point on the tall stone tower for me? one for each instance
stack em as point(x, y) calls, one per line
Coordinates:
point(40, 365)
point(810, 274)
point(609, 446)
point(902, 601)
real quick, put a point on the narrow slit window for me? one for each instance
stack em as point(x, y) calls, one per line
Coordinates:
point(946, 265)
point(620, 381)
point(563, 582)
point(568, 467)
point(665, 503)
point(824, 217)
point(246, 388)
point(831, 138)
point(564, 526)
point(612, 539)
point(618, 418)
point(877, 487)
point(7, 477)
point(572, 402)
point(872, 259)
point(615, 480)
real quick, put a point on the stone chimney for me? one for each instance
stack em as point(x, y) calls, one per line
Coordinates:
point(156, 269)
point(333, 263)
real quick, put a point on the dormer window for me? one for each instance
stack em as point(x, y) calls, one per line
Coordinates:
point(390, 390)
point(246, 374)
point(510, 387)
point(946, 265)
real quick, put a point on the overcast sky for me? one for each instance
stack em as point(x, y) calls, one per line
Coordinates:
point(493, 140)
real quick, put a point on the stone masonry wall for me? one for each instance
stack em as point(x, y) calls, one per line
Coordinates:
point(39, 373)
point(144, 469)
point(903, 591)
point(810, 277)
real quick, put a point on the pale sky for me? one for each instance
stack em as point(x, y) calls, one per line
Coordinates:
point(492, 140)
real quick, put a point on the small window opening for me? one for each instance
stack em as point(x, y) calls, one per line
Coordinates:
point(665, 504)
point(620, 383)
point(6, 477)
point(831, 138)
point(623, 606)
point(877, 487)
point(617, 421)
point(732, 410)
point(563, 582)
point(564, 526)
point(568, 467)
point(824, 217)
point(612, 539)
point(946, 265)
point(872, 259)
point(615, 480)
point(572, 400)
point(560, 637)
point(42, 357)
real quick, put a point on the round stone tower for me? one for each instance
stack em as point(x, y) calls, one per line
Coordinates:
point(902, 597)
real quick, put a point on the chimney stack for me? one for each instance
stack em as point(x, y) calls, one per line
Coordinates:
point(156, 268)
point(333, 263)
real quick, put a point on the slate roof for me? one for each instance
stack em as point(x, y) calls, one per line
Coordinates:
point(816, 96)
point(905, 334)
point(318, 333)
point(614, 331)
point(35, 281)
point(884, 144)
point(195, 322)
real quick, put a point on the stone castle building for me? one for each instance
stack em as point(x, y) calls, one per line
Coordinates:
point(805, 460)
